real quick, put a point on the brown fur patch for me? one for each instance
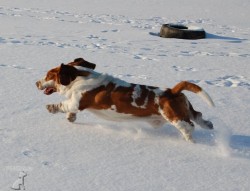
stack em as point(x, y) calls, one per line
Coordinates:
point(175, 107)
point(185, 85)
point(104, 97)
point(53, 75)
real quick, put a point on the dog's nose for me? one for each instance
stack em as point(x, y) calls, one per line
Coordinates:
point(38, 84)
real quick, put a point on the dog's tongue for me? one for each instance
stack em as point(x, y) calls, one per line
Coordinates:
point(49, 91)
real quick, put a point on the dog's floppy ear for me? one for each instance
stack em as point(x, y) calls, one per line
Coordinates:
point(78, 60)
point(68, 73)
point(83, 63)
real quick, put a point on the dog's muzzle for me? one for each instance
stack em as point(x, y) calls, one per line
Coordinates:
point(39, 85)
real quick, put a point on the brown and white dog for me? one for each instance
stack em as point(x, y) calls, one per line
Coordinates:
point(115, 99)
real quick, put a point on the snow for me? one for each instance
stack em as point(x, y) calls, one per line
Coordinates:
point(121, 38)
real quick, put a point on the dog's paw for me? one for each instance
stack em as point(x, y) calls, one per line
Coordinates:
point(71, 117)
point(52, 108)
point(209, 124)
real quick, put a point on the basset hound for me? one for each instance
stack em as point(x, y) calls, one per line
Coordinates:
point(114, 99)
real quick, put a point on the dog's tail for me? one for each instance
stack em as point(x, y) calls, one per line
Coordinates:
point(184, 85)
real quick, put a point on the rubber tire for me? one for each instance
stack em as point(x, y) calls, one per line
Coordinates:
point(181, 31)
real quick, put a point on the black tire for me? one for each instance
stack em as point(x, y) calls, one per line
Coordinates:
point(181, 31)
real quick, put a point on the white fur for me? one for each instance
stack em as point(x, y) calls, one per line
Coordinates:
point(72, 105)
point(46, 84)
point(145, 103)
point(137, 94)
point(185, 128)
point(96, 78)
point(204, 95)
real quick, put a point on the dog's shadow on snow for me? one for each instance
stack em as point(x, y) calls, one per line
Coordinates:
point(239, 146)
point(240, 143)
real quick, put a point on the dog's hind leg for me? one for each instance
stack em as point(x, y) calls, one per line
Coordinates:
point(197, 118)
point(203, 123)
point(186, 129)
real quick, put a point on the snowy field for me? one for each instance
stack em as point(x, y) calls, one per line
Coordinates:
point(121, 38)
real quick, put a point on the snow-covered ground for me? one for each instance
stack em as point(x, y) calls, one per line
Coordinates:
point(121, 38)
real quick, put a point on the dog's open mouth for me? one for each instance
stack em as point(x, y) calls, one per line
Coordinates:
point(49, 90)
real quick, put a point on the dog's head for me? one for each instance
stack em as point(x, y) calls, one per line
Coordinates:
point(63, 75)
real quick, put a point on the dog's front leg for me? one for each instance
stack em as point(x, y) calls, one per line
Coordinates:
point(67, 106)
point(70, 106)
point(71, 117)
point(55, 108)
